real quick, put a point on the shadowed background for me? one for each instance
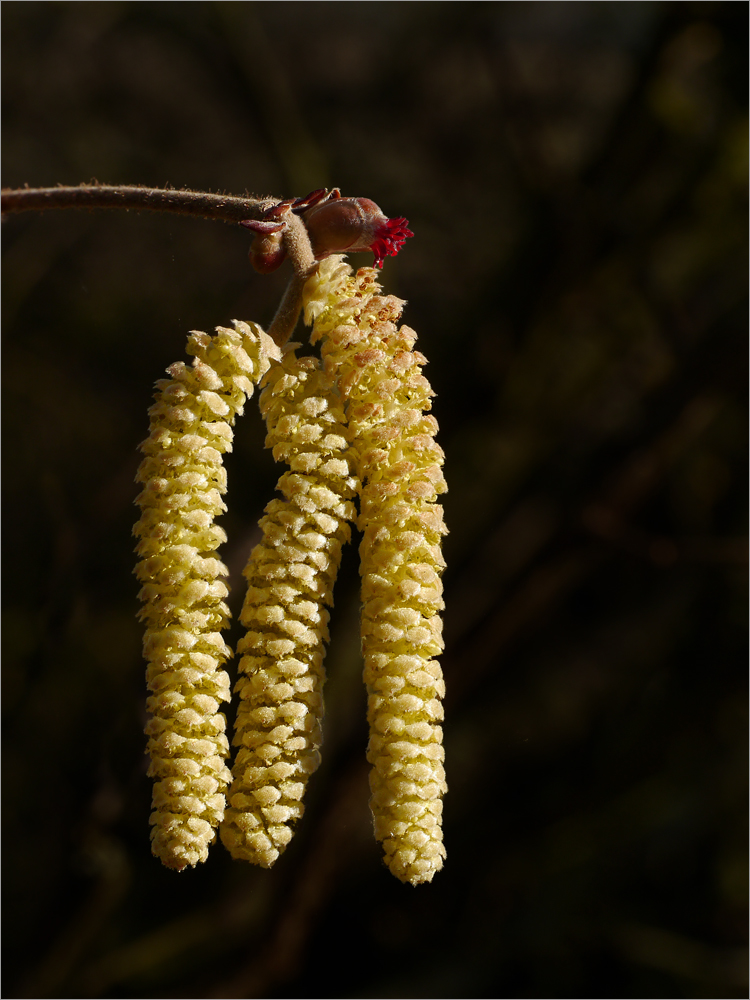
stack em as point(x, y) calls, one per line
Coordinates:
point(575, 175)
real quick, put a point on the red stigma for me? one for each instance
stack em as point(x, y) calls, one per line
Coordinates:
point(389, 238)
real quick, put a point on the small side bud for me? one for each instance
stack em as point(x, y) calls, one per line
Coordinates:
point(266, 251)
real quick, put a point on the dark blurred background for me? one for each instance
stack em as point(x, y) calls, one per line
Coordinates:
point(576, 177)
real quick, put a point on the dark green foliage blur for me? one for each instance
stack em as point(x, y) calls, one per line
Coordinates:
point(576, 177)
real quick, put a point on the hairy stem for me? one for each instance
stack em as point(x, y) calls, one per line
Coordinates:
point(224, 208)
point(283, 324)
point(297, 244)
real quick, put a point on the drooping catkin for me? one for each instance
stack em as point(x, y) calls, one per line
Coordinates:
point(290, 578)
point(399, 465)
point(182, 593)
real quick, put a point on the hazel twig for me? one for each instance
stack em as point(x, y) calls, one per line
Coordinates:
point(203, 204)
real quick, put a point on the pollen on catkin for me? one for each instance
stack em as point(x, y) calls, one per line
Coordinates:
point(182, 590)
point(399, 464)
point(290, 577)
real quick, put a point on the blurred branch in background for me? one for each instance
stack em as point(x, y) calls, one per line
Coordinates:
point(576, 179)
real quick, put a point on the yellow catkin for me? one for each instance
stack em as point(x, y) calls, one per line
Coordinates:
point(399, 464)
point(183, 593)
point(290, 578)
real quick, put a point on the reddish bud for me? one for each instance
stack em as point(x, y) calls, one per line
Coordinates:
point(334, 224)
point(266, 250)
point(349, 225)
point(302, 204)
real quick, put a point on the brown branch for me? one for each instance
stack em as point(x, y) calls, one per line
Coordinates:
point(224, 208)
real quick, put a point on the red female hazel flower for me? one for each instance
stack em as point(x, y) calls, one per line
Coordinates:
point(334, 224)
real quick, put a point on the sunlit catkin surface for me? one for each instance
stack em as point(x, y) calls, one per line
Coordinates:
point(183, 593)
point(290, 577)
point(387, 398)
